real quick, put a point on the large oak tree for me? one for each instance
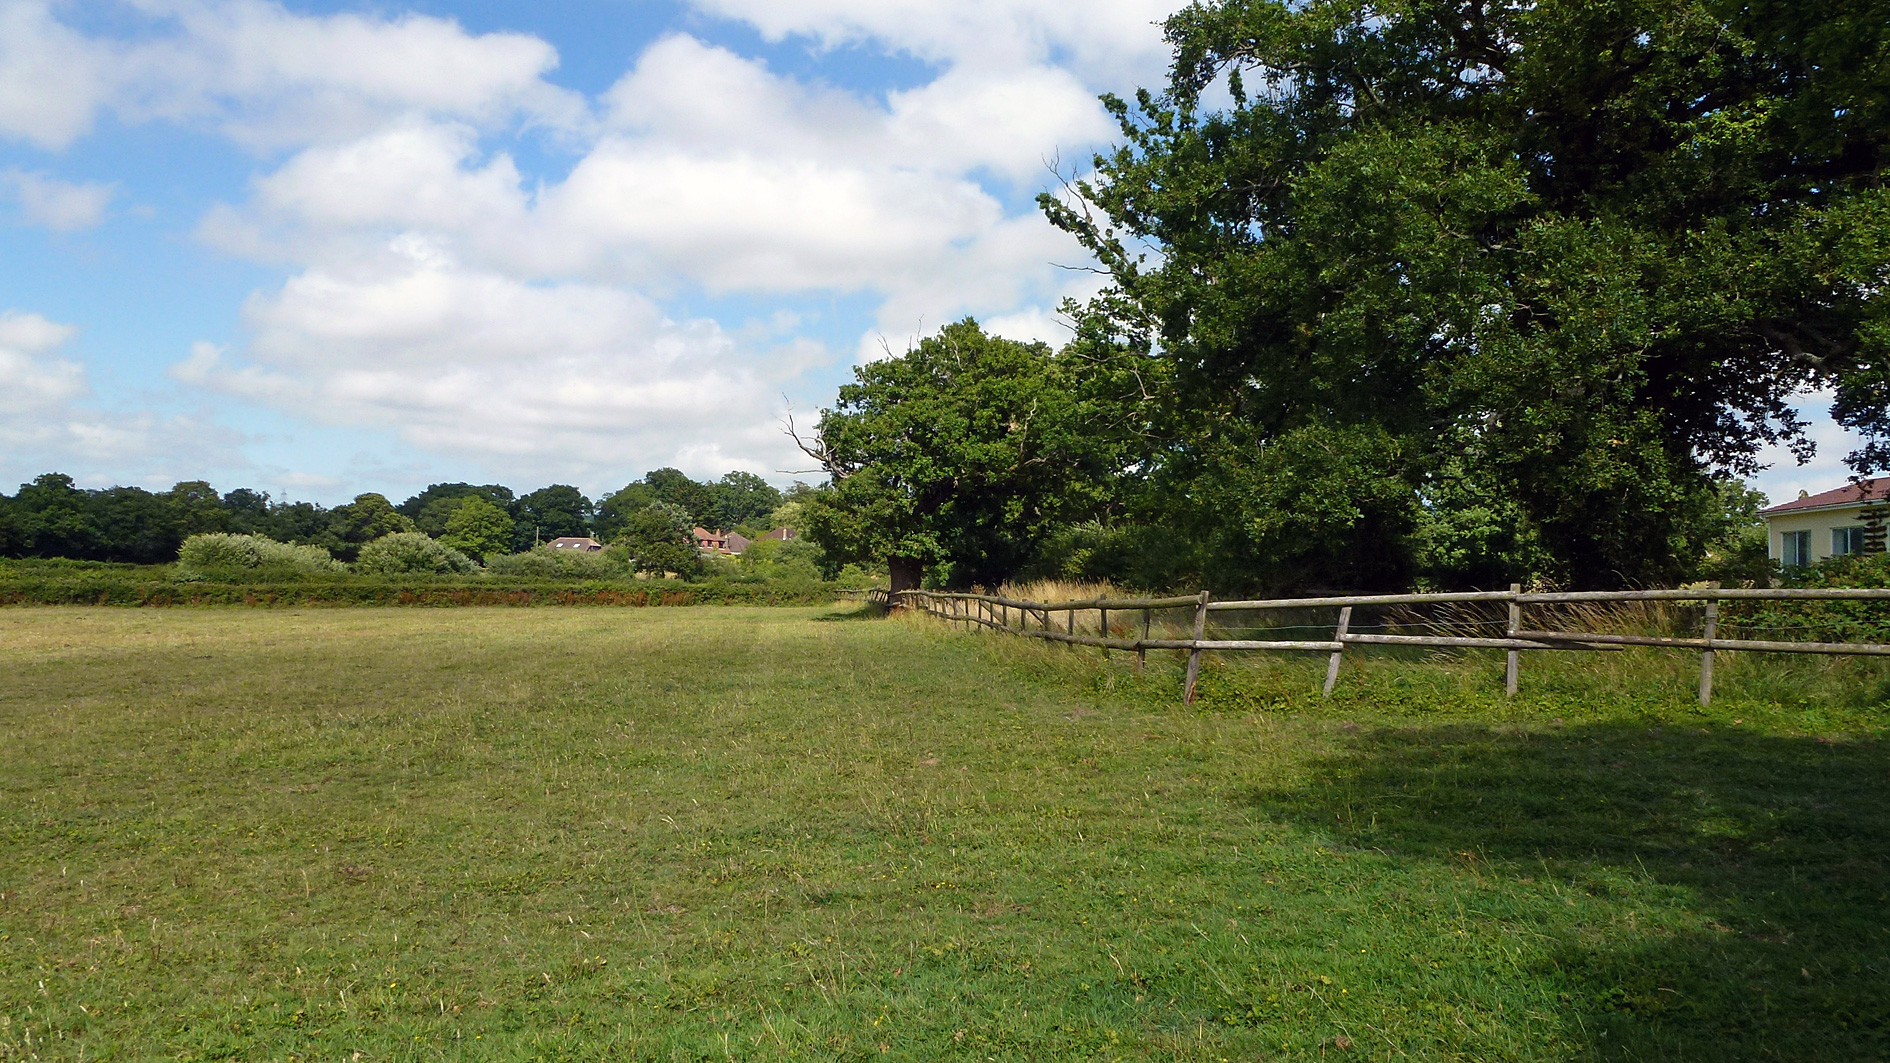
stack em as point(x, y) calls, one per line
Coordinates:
point(1498, 279)
point(966, 450)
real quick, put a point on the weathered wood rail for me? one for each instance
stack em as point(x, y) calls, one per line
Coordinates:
point(1033, 619)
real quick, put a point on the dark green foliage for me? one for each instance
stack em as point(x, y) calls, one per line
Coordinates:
point(247, 512)
point(613, 508)
point(1323, 507)
point(477, 527)
point(198, 508)
point(1562, 262)
point(1469, 533)
point(673, 487)
point(550, 513)
point(1128, 554)
point(659, 537)
point(367, 518)
point(302, 522)
point(52, 518)
point(737, 499)
point(1737, 553)
point(14, 540)
point(136, 526)
point(430, 508)
point(740, 498)
point(968, 450)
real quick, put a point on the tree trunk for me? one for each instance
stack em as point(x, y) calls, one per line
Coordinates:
point(906, 572)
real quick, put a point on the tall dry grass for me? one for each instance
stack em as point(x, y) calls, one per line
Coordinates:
point(1060, 590)
point(1164, 623)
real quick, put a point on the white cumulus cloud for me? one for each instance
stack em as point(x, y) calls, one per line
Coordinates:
point(450, 283)
point(63, 206)
point(52, 79)
point(1095, 37)
point(571, 379)
point(268, 77)
point(33, 378)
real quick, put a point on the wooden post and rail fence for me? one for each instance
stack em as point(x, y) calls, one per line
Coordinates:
point(1033, 620)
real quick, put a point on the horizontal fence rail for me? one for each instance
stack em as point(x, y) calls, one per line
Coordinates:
point(1034, 620)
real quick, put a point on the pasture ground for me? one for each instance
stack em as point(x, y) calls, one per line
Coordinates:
point(726, 833)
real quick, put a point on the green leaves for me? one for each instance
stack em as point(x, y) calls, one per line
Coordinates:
point(968, 449)
point(478, 528)
point(1583, 254)
point(658, 536)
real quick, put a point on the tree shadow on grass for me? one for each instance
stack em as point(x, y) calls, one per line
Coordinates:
point(863, 611)
point(1777, 850)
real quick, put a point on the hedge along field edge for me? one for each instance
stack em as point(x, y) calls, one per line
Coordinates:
point(122, 592)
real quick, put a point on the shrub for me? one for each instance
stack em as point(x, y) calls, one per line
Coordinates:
point(217, 554)
point(545, 563)
point(1849, 570)
point(218, 551)
point(1824, 621)
point(408, 553)
point(774, 561)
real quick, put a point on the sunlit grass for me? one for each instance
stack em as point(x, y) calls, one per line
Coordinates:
point(752, 833)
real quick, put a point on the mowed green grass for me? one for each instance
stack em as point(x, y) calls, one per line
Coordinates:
point(688, 834)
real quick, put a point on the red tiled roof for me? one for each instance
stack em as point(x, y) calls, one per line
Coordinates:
point(1850, 494)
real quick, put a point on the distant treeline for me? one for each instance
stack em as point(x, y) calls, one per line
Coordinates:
point(53, 517)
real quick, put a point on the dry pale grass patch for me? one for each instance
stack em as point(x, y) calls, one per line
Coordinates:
point(1060, 590)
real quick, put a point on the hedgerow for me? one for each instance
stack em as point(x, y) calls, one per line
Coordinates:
point(106, 588)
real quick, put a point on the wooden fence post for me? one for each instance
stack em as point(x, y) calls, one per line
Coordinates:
point(1141, 652)
point(1513, 663)
point(1332, 666)
point(1194, 655)
point(1706, 655)
point(1102, 628)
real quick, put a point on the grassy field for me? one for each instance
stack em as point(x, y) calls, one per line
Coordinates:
point(715, 833)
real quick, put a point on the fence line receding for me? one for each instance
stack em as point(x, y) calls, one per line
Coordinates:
point(1034, 619)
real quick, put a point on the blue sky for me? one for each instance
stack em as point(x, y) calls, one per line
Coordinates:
point(322, 248)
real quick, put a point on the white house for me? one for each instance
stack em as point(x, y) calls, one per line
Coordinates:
point(1848, 520)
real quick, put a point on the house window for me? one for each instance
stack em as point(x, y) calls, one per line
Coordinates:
point(1797, 549)
point(1847, 540)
